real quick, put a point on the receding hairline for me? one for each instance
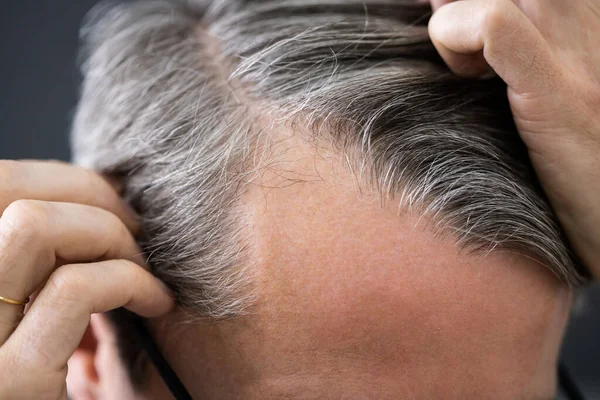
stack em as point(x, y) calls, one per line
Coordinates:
point(155, 110)
point(385, 136)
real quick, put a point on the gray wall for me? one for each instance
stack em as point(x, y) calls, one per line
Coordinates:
point(38, 90)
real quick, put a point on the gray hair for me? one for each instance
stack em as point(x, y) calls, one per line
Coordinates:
point(173, 91)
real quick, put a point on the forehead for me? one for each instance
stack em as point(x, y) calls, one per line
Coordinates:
point(356, 286)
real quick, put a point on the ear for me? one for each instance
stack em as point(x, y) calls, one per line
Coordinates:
point(82, 376)
point(95, 369)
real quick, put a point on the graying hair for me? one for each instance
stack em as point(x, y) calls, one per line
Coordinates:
point(173, 90)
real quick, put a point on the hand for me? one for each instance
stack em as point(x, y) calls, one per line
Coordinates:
point(56, 219)
point(547, 53)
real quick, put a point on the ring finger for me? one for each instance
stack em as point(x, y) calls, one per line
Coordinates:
point(57, 320)
point(36, 235)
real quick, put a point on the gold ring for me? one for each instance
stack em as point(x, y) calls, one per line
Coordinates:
point(15, 302)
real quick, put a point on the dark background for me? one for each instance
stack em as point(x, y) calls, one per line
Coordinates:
point(39, 80)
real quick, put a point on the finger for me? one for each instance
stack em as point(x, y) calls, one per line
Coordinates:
point(35, 234)
point(57, 320)
point(114, 183)
point(58, 181)
point(504, 36)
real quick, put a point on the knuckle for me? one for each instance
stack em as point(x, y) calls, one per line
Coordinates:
point(66, 284)
point(23, 221)
point(496, 17)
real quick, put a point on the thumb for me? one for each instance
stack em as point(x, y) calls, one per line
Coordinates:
point(470, 35)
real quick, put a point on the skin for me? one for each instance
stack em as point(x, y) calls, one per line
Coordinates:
point(369, 328)
point(546, 52)
point(43, 241)
point(357, 300)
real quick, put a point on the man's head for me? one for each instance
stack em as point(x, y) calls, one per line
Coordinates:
point(339, 216)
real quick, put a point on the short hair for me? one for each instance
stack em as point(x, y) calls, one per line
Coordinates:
point(173, 91)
